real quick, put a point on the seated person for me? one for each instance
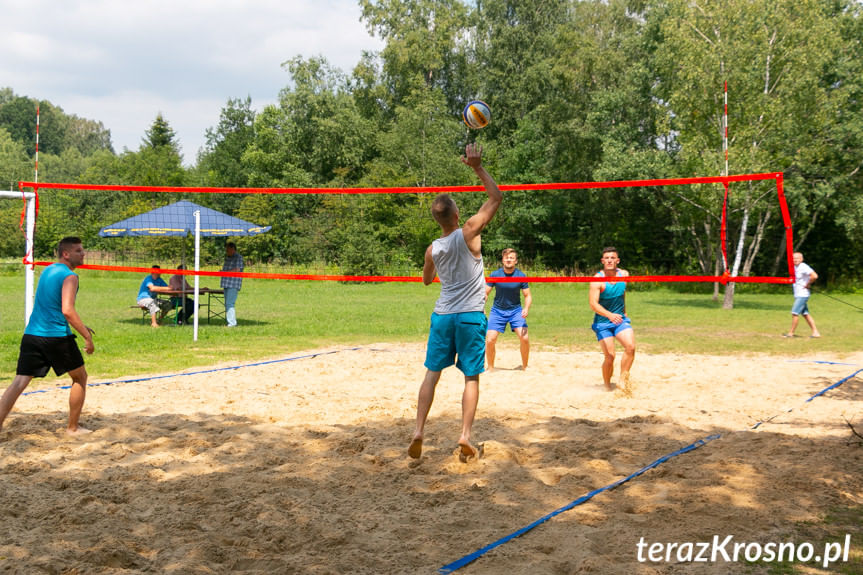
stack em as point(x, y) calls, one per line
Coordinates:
point(178, 283)
point(150, 287)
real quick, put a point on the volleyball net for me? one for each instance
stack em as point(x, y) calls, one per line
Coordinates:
point(705, 229)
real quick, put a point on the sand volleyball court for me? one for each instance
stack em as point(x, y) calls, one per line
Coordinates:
point(301, 466)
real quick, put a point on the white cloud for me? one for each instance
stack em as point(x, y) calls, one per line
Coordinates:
point(122, 63)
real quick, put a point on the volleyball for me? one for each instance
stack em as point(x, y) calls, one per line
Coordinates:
point(476, 114)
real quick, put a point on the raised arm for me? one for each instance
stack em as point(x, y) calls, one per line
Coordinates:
point(475, 224)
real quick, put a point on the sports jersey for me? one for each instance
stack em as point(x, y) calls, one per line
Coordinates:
point(462, 287)
point(507, 295)
point(47, 319)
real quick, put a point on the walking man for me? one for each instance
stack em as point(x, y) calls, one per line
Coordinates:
point(48, 341)
point(804, 277)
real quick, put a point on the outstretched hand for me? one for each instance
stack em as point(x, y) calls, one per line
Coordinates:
point(472, 155)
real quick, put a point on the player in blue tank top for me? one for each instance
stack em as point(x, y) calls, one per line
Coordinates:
point(48, 341)
point(607, 300)
point(507, 308)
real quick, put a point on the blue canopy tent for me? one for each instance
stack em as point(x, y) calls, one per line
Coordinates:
point(178, 219)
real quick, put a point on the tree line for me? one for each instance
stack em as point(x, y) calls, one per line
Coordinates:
point(579, 90)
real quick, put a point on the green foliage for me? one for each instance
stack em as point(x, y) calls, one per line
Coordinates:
point(14, 164)
point(221, 159)
point(159, 134)
point(420, 148)
point(57, 130)
point(153, 166)
point(316, 134)
point(424, 47)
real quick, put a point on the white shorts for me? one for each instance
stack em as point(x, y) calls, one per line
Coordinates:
point(154, 305)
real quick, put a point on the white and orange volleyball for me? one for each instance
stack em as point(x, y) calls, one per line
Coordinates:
point(476, 114)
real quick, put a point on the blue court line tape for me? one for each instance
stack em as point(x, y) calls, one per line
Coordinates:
point(584, 498)
point(229, 368)
point(820, 393)
point(470, 558)
point(820, 361)
point(835, 385)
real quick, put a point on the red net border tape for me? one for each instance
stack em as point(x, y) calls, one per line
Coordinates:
point(410, 190)
point(351, 278)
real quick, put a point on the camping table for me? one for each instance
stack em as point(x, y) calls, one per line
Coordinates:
point(215, 297)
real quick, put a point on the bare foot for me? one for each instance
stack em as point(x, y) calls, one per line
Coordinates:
point(609, 386)
point(78, 431)
point(416, 448)
point(468, 451)
point(490, 369)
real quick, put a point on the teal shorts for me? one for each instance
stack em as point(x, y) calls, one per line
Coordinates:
point(457, 335)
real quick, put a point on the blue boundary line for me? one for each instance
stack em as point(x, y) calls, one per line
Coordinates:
point(232, 367)
point(820, 361)
point(479, 552)
point(835, 385)
point(470, 558)
point(822, 392)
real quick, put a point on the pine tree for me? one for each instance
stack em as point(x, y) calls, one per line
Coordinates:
point(160, 135)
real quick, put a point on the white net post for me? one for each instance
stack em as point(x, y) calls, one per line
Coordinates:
point(197, 268)
point(29, 232)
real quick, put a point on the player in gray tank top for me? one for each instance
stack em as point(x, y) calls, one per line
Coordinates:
point(458, 323)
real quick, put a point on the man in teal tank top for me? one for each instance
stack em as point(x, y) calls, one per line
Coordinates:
point(607, 300)
point(48, 341)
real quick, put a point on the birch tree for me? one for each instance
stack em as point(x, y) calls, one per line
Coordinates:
point(774, 56)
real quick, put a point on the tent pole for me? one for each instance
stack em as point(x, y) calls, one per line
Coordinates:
point(197, 266)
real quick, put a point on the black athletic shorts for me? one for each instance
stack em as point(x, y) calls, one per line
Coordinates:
point(39, 354)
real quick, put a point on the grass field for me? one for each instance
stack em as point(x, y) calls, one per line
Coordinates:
point(278, 318)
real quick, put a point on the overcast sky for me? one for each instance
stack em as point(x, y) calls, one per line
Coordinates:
point(122, 62)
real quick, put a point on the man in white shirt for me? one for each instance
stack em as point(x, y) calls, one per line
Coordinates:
point(804, 276)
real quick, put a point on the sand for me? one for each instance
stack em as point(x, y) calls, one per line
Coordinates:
point(301, 466)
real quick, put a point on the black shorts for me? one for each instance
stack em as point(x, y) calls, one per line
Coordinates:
point(39, 354)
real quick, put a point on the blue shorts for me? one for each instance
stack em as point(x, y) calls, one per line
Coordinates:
point(608, 329)
point(457, 334)
point(800, 306)
point(498, 319)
